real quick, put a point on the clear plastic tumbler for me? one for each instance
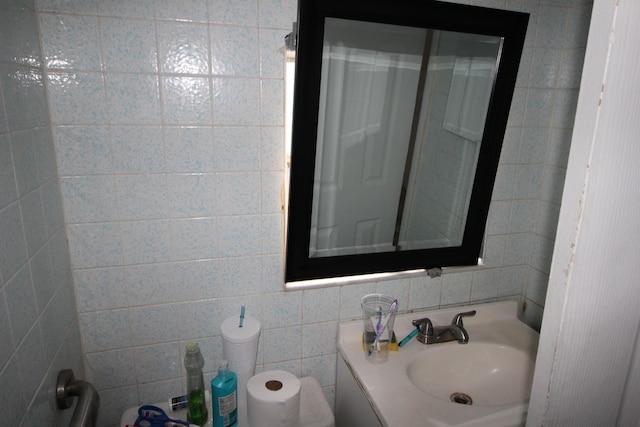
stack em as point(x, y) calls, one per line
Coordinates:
point(378, 314)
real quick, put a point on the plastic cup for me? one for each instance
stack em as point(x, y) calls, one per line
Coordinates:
point(377, 318)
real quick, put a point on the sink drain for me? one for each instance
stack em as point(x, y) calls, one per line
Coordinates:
point(462, 398)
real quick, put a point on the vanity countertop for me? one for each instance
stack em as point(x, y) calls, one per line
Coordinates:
point(394, 397)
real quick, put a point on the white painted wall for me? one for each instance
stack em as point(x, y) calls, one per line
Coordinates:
point(587, 361)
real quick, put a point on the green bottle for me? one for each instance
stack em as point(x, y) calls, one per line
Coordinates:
point(193, 362)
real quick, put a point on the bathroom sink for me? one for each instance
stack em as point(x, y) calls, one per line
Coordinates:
point(485, 382)
point(478, 374)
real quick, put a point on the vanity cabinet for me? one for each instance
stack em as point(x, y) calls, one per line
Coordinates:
point(352, 406)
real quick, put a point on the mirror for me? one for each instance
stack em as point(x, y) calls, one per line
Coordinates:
point(399, 116)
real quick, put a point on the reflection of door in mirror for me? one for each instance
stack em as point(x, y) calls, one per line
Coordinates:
point(402, 113)
point(367, 97)
point(451, 124)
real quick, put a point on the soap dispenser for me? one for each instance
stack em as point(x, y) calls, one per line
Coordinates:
point(224, 399)
point(193, 362)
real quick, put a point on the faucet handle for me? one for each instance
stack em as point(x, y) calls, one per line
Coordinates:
point(424, 325)
point(457, 320)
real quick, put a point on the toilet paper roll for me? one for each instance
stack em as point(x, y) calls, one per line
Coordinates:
point(240, 349)
point(273, 400)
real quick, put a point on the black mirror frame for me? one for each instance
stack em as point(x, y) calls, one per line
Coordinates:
point(509, 25)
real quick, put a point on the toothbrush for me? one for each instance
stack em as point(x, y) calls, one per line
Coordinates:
point(241, 316)
point(408, 337)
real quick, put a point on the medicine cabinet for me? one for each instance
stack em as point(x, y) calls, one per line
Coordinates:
point(400, 109)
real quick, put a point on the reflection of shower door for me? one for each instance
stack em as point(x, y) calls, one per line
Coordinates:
point(363, 149)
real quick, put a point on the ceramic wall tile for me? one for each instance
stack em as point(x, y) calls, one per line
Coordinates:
point(272, 102)
point(6, 338)
point(237, 148)
point(272, 151)
point(273, 234)
point(21, 312)
point(272, 187)
point(182, 10)
point(551, 24)
point(194, 238)
point(89, 198)
point(272, 273)
point(8, 191)
point(272, 53)
point(239, 235)
point(105, 330)
point(83, 150)
point(282, 344)
point(56, 318)
point(41, 274)
point(191, 195)
point(133, 99)
point(238, 193)
point(137, 149)
point(235, 12)
point(145, 241)
point(285, 309)
point(84, 7)
point(13, 396)
point(23, 90)
point(485, 284)
point(152, 325)
point(109, 369)
point(32, 362)
point(546, 63)
point(94, 245)
point(183, 48)
point(189, 149)
point(100, 288)
point(33, 221)
point(71, 42)
point(425, 292)
point(4, 127)
point(319, 339)
point(13, 248)
point(23, 153)
point(77, 98)
point(277, 13)
point(142, 196)
point(20, 40)
point(150, 284)
point(236, 101)
point(237, 276)
point(320, 305)
point(186, 100)
point(323, 368)
point(456, 288)
point(126, 8)
point(234, 51)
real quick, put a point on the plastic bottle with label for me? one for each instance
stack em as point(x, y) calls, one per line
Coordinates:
point(193, 362)
point(224, 400)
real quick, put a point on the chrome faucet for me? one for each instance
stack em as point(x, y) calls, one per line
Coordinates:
point(429, 334)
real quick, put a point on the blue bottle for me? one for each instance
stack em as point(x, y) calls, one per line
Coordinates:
point(224, 397)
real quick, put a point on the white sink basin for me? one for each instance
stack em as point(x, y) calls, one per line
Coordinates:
point(493, 371)
point(478, 374)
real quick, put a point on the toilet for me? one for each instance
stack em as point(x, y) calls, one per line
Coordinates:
point(314, 409)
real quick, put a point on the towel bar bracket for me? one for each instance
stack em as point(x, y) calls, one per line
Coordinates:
point(67, 387)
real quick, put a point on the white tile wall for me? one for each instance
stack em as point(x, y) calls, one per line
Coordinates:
point(39, 332)
point(167, 122)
